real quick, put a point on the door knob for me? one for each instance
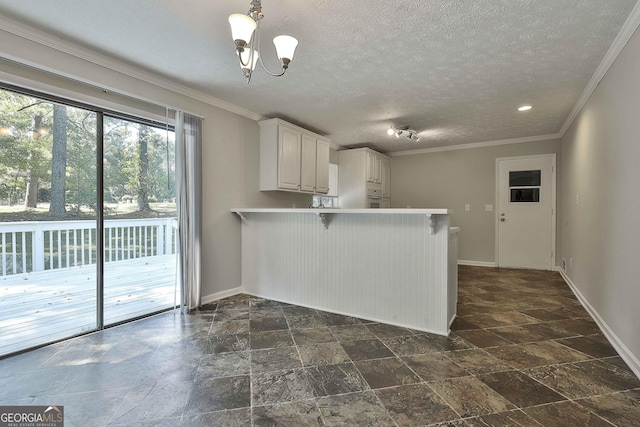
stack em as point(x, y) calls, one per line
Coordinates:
point(503, 219)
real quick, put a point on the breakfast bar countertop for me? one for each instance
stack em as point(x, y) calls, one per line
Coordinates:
point(403, 211)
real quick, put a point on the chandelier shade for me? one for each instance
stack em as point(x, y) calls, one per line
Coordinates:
point(285, 47)
point(242, 28)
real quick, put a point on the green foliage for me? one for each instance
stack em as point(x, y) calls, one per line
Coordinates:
point(25, 150)
point(122, 161)
point(22, 148)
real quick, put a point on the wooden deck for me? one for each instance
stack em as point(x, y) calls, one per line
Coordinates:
point(41, 307)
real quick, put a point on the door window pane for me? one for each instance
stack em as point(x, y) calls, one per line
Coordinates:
point(519, 195)
point(524, 178)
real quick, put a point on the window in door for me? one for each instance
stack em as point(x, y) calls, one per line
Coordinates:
point(524, 186)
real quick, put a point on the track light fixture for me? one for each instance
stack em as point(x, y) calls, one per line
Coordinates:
point(403, 130)
point(248, 44)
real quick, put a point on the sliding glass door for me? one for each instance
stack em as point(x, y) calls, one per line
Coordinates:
point(87, 219)
point(48, 200)
point(140, 224)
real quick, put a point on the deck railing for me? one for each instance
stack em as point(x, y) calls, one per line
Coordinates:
point(26, 247)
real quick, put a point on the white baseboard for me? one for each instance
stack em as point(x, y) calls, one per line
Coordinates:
point(476, 263)
point(616, 342)
point(207, 299)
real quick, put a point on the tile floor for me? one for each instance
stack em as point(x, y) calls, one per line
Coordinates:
point(523, 352)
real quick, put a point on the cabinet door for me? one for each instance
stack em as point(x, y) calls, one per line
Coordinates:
point(371, 167)
point(308, 164)
point(378, 169)
point(386, 177)
point(289, 159)
point(322, 166)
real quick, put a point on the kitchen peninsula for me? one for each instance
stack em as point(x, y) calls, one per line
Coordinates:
point(395, 266)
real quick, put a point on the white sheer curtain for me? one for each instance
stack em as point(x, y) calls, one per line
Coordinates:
point(188, 190)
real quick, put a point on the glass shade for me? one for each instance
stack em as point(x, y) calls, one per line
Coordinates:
point(285, 46)
point(242, 27)
point(245, 58)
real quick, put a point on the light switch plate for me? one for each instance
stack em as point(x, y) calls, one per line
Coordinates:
point(467, 208)
point(488, 208)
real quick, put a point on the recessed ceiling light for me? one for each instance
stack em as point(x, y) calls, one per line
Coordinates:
point(390, 131)
point(525, 108)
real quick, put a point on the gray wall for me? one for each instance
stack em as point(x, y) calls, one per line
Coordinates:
point(452, 179)
point(601, 164)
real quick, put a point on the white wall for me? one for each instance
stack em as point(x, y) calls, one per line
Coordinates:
point(230, 144)
point(601, 165)
point(452, 179)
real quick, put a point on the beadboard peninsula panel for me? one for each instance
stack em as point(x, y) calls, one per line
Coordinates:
point(382, 266)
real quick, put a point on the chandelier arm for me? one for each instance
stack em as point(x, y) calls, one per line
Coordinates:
point(240, 58)
point(250, 64)
point(260, 56)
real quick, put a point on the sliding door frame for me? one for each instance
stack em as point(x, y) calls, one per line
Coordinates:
point(100, 221)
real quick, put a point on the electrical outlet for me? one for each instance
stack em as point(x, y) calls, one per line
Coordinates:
point(570, 262)
point(488, 208)
point(467, 208)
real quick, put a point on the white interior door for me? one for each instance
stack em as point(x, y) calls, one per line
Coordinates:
point(526, 212)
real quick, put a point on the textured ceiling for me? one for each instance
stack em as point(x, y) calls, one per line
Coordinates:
point(454, 70)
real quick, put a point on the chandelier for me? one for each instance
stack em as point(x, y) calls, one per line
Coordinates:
point(403, 130)
point(248, 45)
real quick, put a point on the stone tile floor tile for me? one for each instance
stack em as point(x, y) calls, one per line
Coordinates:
point(434, 366)
point(380, 373)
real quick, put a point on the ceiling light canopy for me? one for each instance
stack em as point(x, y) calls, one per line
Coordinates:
point(248, 44)
point(403, 130)
point(525, 108)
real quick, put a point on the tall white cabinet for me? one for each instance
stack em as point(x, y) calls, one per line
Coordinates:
point(293, 158)
point(363, 170)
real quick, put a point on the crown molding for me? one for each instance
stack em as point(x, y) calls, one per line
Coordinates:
point(621, 40)
point(42, 38)
point(535, 138)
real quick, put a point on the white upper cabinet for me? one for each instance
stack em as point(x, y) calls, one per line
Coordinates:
point(374, 168)
point(371, 167)
point(289, 159)
point(308, 164)
point(292, 158)
point(386, 177)
point(322, 166)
